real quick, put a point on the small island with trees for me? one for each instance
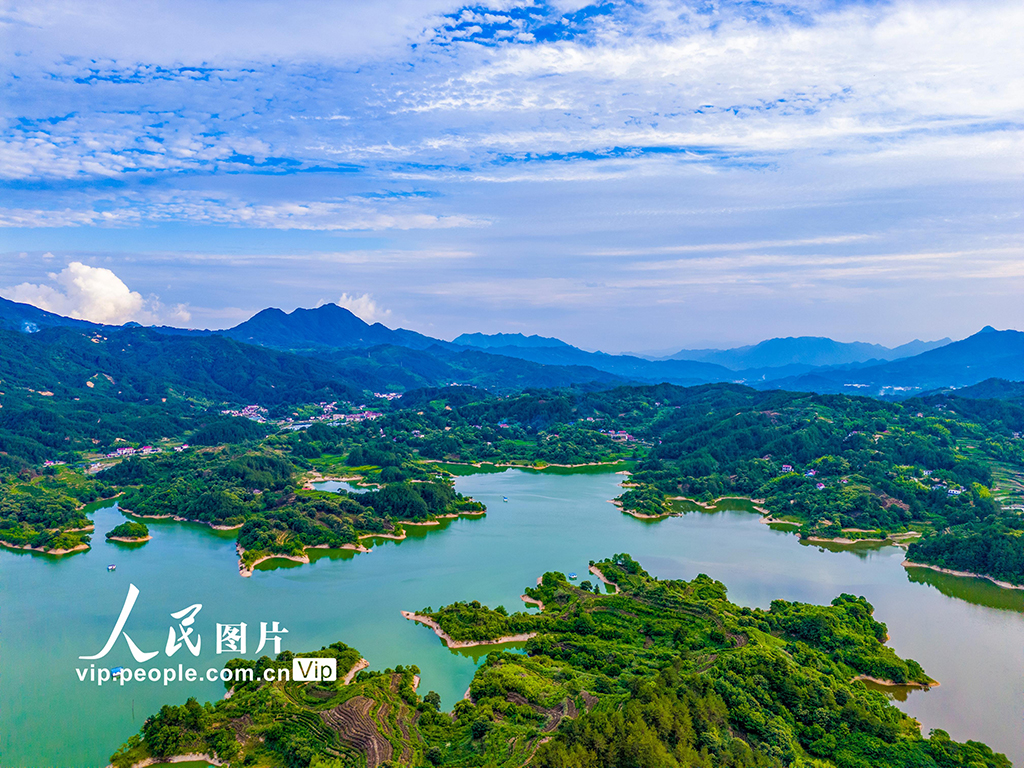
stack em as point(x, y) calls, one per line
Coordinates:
point(129, 532)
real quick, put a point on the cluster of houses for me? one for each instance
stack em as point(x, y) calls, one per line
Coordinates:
point(254, 412)
point(387, 395)
point(352, 418)
point(787, 468)
point(941, 486)
point(620, 435)
point(127, 450)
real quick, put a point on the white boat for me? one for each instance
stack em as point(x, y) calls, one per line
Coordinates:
point(111, 567)
point(504, 498)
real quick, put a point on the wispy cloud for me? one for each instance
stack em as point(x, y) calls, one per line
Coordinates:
point(860, 78)
point(218, 209)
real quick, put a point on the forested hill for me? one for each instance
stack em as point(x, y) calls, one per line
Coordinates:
point(61, 384)
point(25, 318)
point(326, 327)
point(141, 365)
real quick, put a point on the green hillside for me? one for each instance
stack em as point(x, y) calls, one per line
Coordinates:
point(660, 674)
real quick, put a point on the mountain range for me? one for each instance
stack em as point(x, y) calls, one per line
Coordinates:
point(376, 357)
point(811, 351)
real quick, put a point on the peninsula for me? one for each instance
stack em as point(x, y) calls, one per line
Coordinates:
point(664, 659)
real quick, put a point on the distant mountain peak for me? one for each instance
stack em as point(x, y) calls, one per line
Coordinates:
point(326, 326)
point(810, 351)
point(498, 340)
point(988, 329)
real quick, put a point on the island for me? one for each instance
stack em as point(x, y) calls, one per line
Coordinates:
point(659, 673)
point(129, 532)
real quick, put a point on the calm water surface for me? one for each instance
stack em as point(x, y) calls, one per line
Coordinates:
point(967, 633)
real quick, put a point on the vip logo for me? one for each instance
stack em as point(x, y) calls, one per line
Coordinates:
point(320, 670)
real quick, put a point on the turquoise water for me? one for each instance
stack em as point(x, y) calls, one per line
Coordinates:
point(967, 634)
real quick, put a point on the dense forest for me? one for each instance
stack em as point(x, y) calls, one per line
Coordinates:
point(839, 466)
point(660, 674)
point(992, 547)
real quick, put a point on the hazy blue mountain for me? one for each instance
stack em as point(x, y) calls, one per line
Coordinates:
point(29, 319)
point(987, 354)
point(376, 357)
point(404, 368)
point(327, 326)
point(812, 351)
point(498, 340)
point(636, 368)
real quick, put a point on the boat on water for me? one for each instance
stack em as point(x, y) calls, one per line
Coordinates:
point(504, 498)
point(111, 567)
point(572, 575)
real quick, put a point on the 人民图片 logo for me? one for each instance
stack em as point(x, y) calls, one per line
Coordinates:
point(229, 639)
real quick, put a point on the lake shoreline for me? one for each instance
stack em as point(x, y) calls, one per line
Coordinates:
point(246, 571)
point(532, 601)
point(179, 519)
point(896, 539)
point(597, 572)
point(358, 667)
point(429, 622)
point(193, 757)
point(894, 684)
point(967, 574)
point(715, 502)
point(57, 552)
point(506, 465)
point(316, 477)
point(641, 515)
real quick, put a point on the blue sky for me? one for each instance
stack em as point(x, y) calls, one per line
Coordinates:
point(626, 176)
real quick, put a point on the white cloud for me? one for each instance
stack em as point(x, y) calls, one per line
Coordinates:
point(365, 308)
point(928, 79)
point(222, 209)
point(673, 143)
point(95, 294)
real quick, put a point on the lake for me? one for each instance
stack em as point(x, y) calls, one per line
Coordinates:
point(967, 633)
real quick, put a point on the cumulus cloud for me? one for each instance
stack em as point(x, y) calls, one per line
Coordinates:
point(365, 308)
point(95, 294)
